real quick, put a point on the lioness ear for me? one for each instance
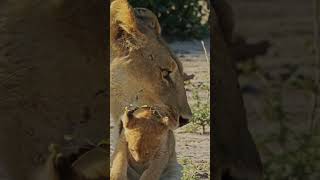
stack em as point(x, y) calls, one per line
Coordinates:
point(148, 18)
point(170, 123)
point(124, 31)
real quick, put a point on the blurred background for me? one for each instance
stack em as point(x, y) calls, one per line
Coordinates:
point(279, 77)
point(179, 19)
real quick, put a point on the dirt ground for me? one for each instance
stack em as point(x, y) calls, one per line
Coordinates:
point(192, 145)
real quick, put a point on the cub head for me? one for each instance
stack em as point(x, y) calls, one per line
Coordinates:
point(146, 130)
point(144, 70)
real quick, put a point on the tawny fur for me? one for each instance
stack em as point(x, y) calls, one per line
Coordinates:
point(143, 69)
point(146, 147)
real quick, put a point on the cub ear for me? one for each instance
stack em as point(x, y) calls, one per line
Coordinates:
point(124, 30)
point(128, 114)
point(172, 124)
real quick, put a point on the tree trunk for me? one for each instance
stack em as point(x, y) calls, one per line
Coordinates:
point(53, 71)
point(234, 151)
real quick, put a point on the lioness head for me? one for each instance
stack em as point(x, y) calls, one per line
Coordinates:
point(146, 130)
point(143, 70)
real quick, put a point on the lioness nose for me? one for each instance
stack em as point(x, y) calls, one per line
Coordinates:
point(186, 113)
point(183, 121)
point(185, 117)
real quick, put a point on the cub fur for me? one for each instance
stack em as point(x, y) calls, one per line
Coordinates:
point(146, 146)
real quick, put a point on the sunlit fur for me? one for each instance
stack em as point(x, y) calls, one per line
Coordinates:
point(140, 61)
point(147, 146)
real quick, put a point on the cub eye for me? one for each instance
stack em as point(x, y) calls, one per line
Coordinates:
point(166, 74)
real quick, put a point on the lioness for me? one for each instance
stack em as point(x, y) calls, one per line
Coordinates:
point(143, 69)
point(146, 146)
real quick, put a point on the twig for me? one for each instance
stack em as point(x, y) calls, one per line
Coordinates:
point(208, 61)
point(205, 52)
point(317, 61)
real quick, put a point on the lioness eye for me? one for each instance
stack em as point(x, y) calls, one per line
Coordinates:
point(151, 57)
point(166, 74)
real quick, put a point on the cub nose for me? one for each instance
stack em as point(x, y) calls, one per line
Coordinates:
point(141, 160)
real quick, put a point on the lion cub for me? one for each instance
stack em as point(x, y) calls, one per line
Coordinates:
point(146, 146)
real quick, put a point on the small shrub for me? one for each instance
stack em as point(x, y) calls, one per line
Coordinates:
point(189, 169)
point(298, 156)
point(201, 109)
point(299, 163)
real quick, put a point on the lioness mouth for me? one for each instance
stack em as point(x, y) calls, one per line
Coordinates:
point(183, 121)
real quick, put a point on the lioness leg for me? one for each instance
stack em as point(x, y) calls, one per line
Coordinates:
point(157, 165)
point(132, 174)
point(174, 169)
point(154, 171)
point(173, 172)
